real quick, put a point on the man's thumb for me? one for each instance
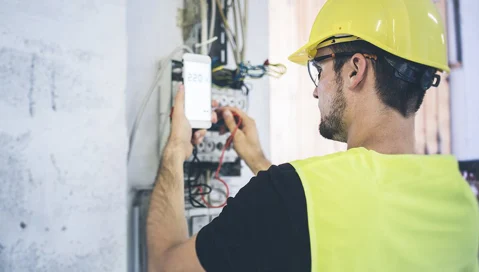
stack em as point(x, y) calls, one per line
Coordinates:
point(229, 120)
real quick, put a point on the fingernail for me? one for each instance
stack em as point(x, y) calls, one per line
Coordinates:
point(197, 134)
point(227, 113)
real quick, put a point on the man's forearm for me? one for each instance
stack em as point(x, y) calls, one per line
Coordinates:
point(166, 224)
point(258, 163)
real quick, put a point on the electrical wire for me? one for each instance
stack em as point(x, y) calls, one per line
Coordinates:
point(234, 79)
point(192, 184)
point(229, 32)
point(147, 97)
point(235, 20)
point(204, 26)
point(245, 25)
point(212, 24)
point(275, 70)
point(220, 164)
point(213, 19)
point(243, 37)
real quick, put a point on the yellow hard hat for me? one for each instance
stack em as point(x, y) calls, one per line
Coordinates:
point(410, 29)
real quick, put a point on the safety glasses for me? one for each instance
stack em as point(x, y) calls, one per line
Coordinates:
point(315, 70)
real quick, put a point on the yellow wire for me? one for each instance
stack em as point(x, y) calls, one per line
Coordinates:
point(219, 68)
point(276, 70)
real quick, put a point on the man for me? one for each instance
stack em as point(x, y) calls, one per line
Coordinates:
point(375, 207)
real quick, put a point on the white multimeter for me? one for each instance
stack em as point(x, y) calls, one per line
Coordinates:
point(197, 82)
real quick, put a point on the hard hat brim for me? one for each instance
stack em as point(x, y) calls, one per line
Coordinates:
point(302, 55)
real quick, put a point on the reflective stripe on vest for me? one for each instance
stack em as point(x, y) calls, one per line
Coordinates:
point(373, 212)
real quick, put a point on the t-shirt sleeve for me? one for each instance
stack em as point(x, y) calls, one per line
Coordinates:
point(263, 228)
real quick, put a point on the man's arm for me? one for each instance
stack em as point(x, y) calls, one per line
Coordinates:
point(246, 141)
point(169, 248)
point(167, 233)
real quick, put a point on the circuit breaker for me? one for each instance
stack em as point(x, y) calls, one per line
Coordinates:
point(209, 152)
point(211, 148)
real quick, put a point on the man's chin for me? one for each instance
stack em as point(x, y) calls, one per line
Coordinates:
point(325, 131)
point(330, 133)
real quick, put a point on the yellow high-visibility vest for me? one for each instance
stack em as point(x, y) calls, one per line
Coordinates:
point(374, 212)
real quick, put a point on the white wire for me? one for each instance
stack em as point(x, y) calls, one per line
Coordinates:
point(245, 22)
point(243, 26)
point(204, 26)
point(147, 97)
point(228, 31)
point(235, 20)
point(213, 21)
point(207, 42)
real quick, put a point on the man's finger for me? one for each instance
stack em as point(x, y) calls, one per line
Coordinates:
point(198, 141)
point(198, 136)
point(200, 133)
point(214, 118)
point(229, 119)
point(237, 111)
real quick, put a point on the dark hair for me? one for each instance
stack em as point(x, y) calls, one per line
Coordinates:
point(396, 93)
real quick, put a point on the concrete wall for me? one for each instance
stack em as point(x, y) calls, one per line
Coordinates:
point(152, 35)
point(62, 135)
point(64, 67)
point(464, 88)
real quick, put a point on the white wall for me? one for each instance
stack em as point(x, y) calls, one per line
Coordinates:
point(62, 136)
point(63, 139)
point(152, 35)
point(257, 51)
point(464, 88)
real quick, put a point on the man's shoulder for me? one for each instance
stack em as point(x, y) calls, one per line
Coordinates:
point(334, 158)
point(278, 172)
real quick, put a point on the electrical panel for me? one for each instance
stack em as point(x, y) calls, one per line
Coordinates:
point(198, 222)
point(209, 152)
point(206, 30)
point(211, 148)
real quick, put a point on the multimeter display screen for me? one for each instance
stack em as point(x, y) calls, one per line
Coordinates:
point(197, 81)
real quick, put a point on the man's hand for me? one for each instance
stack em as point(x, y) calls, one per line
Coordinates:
point(246, 140)
point(167, 231)
point(181, 139)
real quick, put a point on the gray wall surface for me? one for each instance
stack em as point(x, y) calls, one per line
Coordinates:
point(64, 120)
point(63, 138)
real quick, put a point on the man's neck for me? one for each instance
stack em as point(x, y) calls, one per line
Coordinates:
point(387, 133)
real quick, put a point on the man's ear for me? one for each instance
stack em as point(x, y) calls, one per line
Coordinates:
point(357, 68)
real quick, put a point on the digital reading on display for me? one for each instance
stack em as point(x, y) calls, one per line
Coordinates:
point(197, 79)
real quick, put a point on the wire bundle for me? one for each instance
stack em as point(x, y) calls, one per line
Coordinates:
point(198, 189)
point(240, 14)
point(220, 164)
point(234, 79)
point(193, 185)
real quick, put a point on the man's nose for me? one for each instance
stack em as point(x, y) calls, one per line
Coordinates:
point(315, 93)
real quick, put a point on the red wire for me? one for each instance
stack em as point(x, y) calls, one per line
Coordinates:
point(217, 173)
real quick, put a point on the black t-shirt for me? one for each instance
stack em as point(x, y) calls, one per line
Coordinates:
point(264, 228)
